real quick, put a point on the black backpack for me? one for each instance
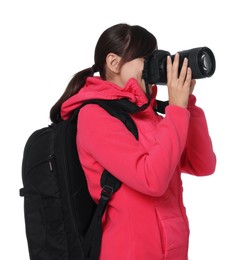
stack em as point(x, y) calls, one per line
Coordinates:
point(62, 221)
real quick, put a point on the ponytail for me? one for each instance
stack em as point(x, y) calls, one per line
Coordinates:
point(76, 83)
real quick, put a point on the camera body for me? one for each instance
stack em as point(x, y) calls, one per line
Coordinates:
point(201, 61)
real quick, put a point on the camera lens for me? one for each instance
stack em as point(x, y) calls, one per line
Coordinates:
point(206, 62)
point(200, 60)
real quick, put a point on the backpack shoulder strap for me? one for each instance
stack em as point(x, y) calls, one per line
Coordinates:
point(161, 105)
point(119, 109)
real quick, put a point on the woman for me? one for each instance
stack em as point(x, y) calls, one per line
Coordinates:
point(146, 218)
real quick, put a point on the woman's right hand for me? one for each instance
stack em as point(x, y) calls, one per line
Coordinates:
point(179, 87)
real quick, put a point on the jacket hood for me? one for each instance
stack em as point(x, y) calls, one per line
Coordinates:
point(96, 88)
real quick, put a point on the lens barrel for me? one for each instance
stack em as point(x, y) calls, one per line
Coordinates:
point(201, 61)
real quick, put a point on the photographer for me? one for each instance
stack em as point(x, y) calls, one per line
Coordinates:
point(146, 218)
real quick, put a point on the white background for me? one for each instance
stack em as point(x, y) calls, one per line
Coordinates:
point(43, 43)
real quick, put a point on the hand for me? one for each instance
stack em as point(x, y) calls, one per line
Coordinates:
point(179, 87)
point(192, 86)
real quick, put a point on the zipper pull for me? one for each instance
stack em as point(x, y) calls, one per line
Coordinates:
point(50, 162)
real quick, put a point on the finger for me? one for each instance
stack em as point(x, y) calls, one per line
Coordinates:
point(187, 82)
point(191, 90)
point(175, 66)
point(193, 83)
point(183, 72)
point(169, 68)
point(192, 86)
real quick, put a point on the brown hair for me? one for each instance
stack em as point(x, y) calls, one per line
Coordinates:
point(128, 42)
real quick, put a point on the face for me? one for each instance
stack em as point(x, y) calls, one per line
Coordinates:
point(131, 69)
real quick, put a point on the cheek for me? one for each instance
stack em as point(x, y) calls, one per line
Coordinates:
point(128, 73)
point(133, 70)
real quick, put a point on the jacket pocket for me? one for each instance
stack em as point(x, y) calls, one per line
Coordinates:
point(161, 232)
point(174, 232)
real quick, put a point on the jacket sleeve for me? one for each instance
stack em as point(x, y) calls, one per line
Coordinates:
point(198, 157)
point(111, 145)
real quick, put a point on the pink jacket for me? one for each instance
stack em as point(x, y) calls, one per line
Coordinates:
point(146, 218)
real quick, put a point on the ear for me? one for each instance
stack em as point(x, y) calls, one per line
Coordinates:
point(112, 62)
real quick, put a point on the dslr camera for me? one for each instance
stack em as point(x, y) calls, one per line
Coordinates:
point(201, 61)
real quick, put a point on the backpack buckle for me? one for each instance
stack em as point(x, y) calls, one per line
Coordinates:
point(107, 192)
